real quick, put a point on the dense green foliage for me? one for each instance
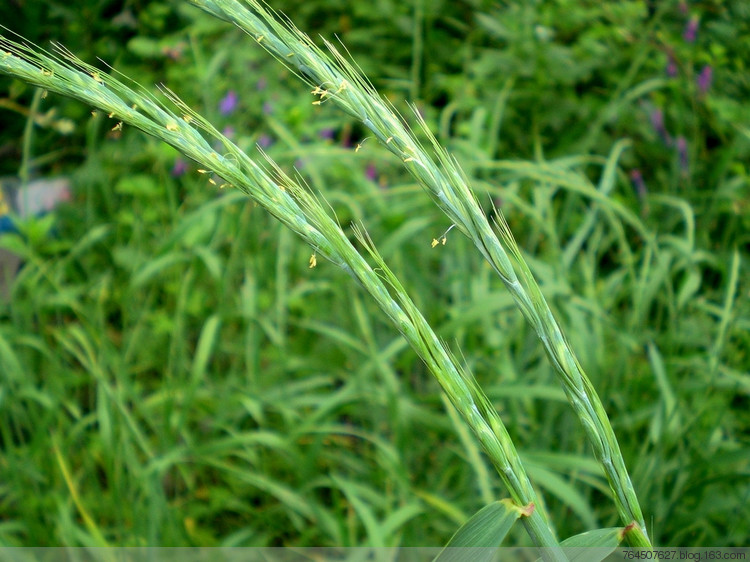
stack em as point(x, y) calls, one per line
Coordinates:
point(173, 373)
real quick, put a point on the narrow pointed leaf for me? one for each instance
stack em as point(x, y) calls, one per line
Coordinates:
point(593, 546)
point(479, 537)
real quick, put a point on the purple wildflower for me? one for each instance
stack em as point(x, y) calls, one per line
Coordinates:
point(267, 108)
point(682, 151)
point(671, 69)
point(638, 184)
point(327, 134)
point(705, 78)
point(261, 84)
point(657, 122)
point(371, 172)
point(179, 168)
point(264, 141)
point(228, 132)
point(640, 188)
point(299, 163)
point(228, 103)
point(691, 30)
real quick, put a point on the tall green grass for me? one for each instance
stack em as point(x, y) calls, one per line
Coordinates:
point(188, 244)
point(336, 80)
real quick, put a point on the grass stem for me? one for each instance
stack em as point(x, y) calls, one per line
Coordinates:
point(335, 78)
point(294, 206)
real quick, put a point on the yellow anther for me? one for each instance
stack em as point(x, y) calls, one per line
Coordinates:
point(211, 181)
point(443, 237)
point(359, 144)
point(313, 261)
point(259, 38)
point(187, 118)
point(172, 127)
point(95, 76)
point(410, 159)
point(202, 171)
point(44, 94)
point(117, 127)
point(389, 139)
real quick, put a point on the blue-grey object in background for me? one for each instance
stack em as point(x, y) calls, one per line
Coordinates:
point(36, 199)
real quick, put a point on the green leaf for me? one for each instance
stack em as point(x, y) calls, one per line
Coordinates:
point(604, 541)
point(89, 239)
point(592, 546)
point(479, 537)
point(11, 364)
point(145, 47)
point(153, 268)
point(138, 185)
point(211, 260)
point(206, 344)
point(36, 229)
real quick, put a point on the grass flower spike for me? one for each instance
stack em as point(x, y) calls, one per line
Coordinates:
point(290, 203)
point(334, 79)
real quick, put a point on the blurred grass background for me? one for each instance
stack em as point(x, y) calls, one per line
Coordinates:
point(172, 373)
